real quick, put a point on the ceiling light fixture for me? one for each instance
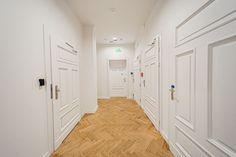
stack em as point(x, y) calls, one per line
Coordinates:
point(113, 10)
point(113, 40)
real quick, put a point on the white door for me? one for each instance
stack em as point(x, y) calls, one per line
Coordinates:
point(137, 80)
point(66, 109)
point(203, 109)
point(118, 78)
point(151, 87)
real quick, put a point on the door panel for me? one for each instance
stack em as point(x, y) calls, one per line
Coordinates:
point(203, 110)
point(222, 76)
point(64, 84)
point(151, 105)
point(185, 88)
point(153, 80)
point(66, 109)
point(75, 83)
point(137, 80)
point(118, 78)
point(118, 83)
point(137, 85)
point(150, 90)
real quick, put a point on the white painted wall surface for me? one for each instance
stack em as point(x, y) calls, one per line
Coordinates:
point(23, 108)
point(106, 52)
point(88, 71)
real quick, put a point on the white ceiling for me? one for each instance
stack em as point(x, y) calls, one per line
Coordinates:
point(113, 18)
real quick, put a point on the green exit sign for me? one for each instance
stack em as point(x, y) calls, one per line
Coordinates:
point(118, 50)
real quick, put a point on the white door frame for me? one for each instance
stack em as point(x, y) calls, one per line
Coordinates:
point(137, 66)
point(108, 75)
point(159, 60)
point(154, 45)
point(49, 89)
point(48, 76)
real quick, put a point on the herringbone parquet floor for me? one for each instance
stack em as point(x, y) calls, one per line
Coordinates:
point(118, 129)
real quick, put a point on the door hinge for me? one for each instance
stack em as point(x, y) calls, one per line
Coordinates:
point(51, 90)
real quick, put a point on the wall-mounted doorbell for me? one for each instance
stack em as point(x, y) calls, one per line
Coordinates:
point(41, 82)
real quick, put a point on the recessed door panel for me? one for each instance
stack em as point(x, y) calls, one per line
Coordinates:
point(75, 83)
point(185, 88)
point(63, 95)
point(150, 92)
point(222, 89)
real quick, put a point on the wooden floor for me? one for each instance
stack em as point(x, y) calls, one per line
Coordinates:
point(118, 129)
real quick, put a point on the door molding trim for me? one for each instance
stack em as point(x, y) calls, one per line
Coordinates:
point(192, 104)
point(48, 76)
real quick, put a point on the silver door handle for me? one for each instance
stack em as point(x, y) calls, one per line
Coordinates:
point(57, 90)
point(172, 92)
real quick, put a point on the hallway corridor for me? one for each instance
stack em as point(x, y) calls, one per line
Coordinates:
point(119, 128)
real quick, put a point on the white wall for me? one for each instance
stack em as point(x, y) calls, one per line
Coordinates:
point(106, 52)
point(23, 108)
point(88, 71)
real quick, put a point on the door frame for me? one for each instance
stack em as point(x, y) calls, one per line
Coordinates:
point(49, 100)
point(159, 60)
point(155, 44)
point(108, 75)
point(139, 62)
point(49, 90)
point(161, 89)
